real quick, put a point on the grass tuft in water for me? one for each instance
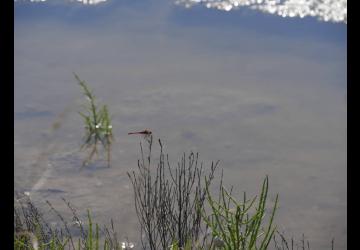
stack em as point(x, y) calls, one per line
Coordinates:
point(239, 225)
point(97, 124)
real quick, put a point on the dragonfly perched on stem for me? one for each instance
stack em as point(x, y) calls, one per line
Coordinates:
point(146, 133)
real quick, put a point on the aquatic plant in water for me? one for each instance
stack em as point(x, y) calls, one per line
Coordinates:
point(98, 128)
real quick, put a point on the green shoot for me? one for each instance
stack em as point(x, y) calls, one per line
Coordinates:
point(98, 127)
point(232, 224)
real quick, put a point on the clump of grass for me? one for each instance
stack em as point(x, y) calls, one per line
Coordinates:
point(32, 231)
point(171, 204)
point(98, 127)
point(239, 225)
point(166, 197)
point(27, 240)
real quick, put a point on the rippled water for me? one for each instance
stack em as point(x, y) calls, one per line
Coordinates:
point(260, 93)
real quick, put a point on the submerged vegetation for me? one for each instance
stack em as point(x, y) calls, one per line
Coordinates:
point(97, 124)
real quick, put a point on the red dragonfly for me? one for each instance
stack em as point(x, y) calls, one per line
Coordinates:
point(144, 132)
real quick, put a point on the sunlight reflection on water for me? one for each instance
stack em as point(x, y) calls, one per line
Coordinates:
point(328, 11)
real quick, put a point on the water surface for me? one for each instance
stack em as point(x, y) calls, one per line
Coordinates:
point(263, 94)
